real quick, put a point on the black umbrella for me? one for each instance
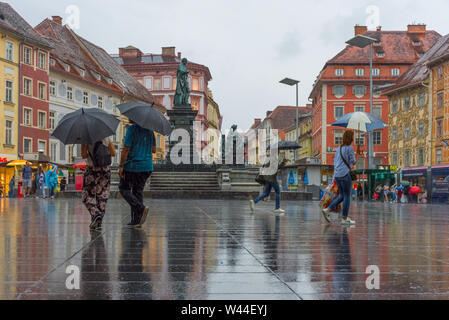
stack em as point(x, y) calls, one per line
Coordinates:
point(86, 126)
point(285, 145)
point(146, 116)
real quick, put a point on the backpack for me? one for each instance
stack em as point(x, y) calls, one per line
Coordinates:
point(100, 156)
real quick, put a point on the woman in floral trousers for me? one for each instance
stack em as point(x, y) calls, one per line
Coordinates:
point(97, 184)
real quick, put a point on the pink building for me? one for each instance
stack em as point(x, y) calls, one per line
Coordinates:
point(157, 72)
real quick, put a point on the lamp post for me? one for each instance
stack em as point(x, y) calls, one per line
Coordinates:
point(292, 82)
point(362, 41)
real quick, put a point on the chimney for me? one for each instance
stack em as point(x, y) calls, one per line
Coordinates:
point(57, 19)
point(129, 52)
point(168, 51)
point(416, 28)
point(379, 28)
point(268, 113)
point(257, 122)
point(360, 30)
point(179, 55)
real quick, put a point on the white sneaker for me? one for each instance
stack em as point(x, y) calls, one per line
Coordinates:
point(251, 205)
point(279, 211)
point(348, 221)
point(326, 215)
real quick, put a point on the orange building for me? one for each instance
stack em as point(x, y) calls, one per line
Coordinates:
point(343, 86)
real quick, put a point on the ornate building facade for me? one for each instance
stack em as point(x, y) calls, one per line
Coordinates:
point(343, 86)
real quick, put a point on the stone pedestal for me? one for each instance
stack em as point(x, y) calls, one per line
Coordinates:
point(182, 117)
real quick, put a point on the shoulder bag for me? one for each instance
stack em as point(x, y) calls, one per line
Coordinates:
point(352, 173)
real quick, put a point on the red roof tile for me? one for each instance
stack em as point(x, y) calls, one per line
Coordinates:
point(284, 116)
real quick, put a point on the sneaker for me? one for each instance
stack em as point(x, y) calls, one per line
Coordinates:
point(251, 205)
point(326, 215)
point(144, 216)
point(348, 221)
point(96, 222)
point(279, 211)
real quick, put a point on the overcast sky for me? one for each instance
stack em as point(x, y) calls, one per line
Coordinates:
point(248, 45)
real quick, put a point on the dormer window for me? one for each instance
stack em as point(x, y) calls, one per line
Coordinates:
point(52, 62)
point(416, 43)
point(377, 43)
point(67, 68)
point(82, 72)
point(98, 77)
point(380, 54)
point(339, 72)
point(109, 81)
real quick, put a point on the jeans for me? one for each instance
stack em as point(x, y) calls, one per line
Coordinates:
point(344, 185)
point(131, 188)
point(266, 193)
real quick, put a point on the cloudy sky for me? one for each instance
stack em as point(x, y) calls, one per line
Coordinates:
point(249, 45)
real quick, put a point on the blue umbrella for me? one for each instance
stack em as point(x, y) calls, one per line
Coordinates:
point(361, 121)
point(400, 188)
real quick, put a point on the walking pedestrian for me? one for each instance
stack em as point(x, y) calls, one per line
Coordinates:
point(386, 192)
point(97, 179)
point(64, 182)
point(12, 184)
point(41, 182)
point(393, 193)
point(27, 172)
point(136, 166)
point(51, 180)
point(344, 158)
point(271, 183)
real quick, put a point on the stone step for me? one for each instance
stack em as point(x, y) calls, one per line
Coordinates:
point(182, 185)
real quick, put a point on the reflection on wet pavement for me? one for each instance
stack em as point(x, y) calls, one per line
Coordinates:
point(217, 250)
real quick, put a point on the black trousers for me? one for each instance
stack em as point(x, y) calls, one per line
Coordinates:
point(131, 188)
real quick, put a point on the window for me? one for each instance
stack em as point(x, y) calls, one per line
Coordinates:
point(27, 87)
point(27, 145)
point(41, 120)
point(9, 50)
point(406, 103)
point(416, 43)
point(359, 91)
point(52, 88)
point(8, 93)
point(407, 158)
point(339, 72)
point(42, 91)
point(70, 93)
point(174, 83)
point(42, 147)
point(338, 137)
point(195, 105)
point(27, 117)
point(53, 147)
point(407, 132)
point(85, 97)
point(421, 99)
point(439, 128)
point(62, 151)
point(394, 106)
point(394, 134)
point(376, 72)
point(100, 102)
point(359, 138)
point(377, 138)
point(440, 99)
point(157, 84)
point(380, 54)
point(27, 55)
point(395, 158)
point(440, 72)
point(195, 84)
point(42, 60)
point(339, 91)
point(166, 83)
point(359, 109)
point(339, 111)
point(148, 81)
point(420, 156)
point(52, 121)
point(377, 111)
point(439, 156)
point(395, 72)
point(359, 72)
point(421, 129)
point(8, 133)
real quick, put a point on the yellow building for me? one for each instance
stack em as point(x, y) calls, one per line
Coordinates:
point(9, 93)
point(214, 121)
point(305, 136)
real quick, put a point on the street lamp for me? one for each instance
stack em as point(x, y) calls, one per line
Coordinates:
point(362, 41)
point(292, 82)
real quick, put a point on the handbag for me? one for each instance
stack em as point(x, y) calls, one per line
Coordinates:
point(260, 179)
point(352, 173)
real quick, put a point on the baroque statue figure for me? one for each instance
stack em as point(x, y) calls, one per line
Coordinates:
point(182, 85)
